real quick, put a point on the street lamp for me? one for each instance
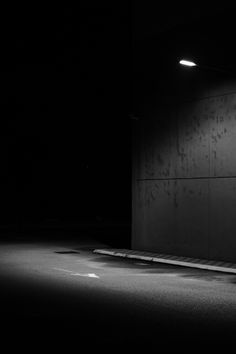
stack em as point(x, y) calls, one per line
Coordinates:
point(187, 63)
point(190, 63)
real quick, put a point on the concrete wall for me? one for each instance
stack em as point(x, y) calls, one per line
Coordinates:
point(184, 175)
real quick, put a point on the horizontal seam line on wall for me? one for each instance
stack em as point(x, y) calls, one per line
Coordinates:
point(179, 178)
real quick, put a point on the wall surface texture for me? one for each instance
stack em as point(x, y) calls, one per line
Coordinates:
point(184, 176)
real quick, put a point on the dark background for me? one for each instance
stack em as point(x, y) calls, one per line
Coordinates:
point(70, 79)
point(65, 136)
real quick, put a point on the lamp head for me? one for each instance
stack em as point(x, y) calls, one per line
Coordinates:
point(187, 63)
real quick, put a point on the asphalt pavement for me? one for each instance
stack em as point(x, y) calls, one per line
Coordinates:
point(61, 293)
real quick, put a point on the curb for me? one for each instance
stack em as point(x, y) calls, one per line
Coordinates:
point(178, 261)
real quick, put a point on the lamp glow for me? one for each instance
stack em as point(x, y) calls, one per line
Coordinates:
point(187, 63)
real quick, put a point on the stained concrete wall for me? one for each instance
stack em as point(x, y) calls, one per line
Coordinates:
point(184, 176)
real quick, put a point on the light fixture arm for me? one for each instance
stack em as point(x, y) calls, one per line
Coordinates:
point(190, 63)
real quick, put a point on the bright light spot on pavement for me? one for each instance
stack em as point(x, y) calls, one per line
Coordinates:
point(187, 63)
point(89, 275)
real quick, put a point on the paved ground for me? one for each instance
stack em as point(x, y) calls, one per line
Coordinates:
point(63, 292)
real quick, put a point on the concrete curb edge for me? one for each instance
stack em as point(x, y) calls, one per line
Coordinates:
point(166, 261)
